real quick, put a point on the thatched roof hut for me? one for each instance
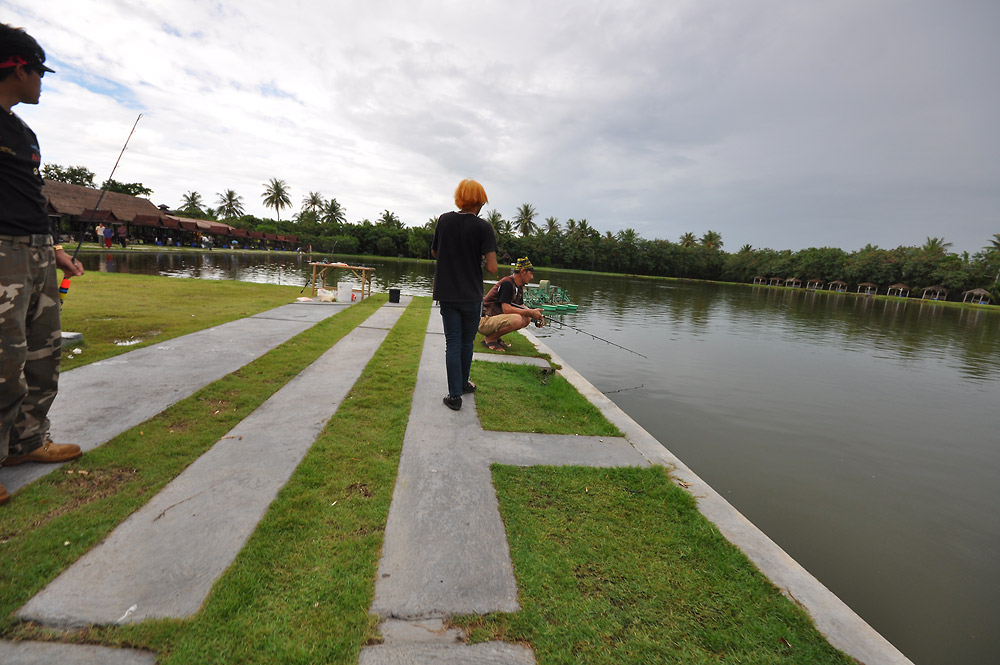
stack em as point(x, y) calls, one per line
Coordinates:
point(899, 289)
point(977, 296)
point(77, 203)
point(935, 293)
point(815, 284)
point(838, 285)
point(793, 282)
point(869, 287)
point(759, 279)
point(775, 281)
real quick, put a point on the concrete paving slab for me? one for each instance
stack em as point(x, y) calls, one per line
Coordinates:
point(163, 560)
point(47, 653)
point(445, 549)
point(99, 401)
point(488, 653)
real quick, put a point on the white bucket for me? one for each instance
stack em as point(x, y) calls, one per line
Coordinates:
point(343, 292)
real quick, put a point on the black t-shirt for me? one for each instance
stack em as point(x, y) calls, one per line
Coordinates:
point(22, 204)
point(460, 241)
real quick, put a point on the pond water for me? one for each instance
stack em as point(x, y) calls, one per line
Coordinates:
point(860, 434)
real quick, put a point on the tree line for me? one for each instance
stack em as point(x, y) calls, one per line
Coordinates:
point(322, 224)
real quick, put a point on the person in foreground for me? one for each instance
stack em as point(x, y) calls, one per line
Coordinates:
point(463, 245)
point(30, 329)
point(504, 310)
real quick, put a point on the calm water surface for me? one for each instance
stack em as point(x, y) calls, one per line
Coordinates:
point(862, 435)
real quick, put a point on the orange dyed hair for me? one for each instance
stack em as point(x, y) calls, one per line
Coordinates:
point(470, 194)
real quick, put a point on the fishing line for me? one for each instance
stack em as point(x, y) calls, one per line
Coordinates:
point(606, 341)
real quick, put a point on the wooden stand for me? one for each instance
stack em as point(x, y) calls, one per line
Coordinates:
point(361, 272)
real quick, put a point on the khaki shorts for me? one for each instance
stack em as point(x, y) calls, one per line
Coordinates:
point(489, 325)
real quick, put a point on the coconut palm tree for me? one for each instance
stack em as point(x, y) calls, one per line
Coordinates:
point(276, 196)
point(994, 245)
point(230, 204)
point(746, 249)
point(192, 202)
point(551, 226)
point(333, 213)
point(688, 240)
point(389, 219)
point(711, 240)
point(495, 219)
point(935, 246)
point(524, 220)
point(313, 203)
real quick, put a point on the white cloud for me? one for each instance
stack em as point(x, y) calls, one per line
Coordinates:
point(776, 123)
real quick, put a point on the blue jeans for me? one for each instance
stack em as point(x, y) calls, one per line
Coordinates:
point(461, 320)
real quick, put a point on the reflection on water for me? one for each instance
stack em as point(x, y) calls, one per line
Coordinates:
point(859, 433)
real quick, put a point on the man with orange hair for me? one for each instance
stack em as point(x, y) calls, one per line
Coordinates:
point(463, 245)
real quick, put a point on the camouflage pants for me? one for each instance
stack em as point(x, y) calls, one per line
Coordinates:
point(30, 345)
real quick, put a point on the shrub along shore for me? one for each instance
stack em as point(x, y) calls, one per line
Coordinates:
point(612, 565)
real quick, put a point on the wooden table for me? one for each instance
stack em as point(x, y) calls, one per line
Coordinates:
point(363, 273)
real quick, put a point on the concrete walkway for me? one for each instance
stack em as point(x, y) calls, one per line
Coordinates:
point(445, 549)
point(97, 402)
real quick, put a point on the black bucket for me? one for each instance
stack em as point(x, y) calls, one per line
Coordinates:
point(393, 295)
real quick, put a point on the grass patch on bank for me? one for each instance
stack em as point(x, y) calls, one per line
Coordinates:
point(119, 313)
point(52, 522)
point(618, 566)
point(526, 398)
point(519, 346)
point(300, 590)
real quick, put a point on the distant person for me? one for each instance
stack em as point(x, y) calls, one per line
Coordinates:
point(122, 236)
point(504, 310)
point(463, 245)
point(99, 233)
point(109, 234)
point(30, 329)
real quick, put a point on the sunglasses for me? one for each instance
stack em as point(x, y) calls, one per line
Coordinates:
point(41, 72)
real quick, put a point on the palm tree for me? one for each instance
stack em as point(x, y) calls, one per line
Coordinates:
point(570, 226)
point(313, 202)
point(230, 204)
point(711, 240)
point(192, 202)
point(276, 196)
point(994, 245)
point(935, 246)
point(688, 240)
point(524, 220)
point(495, 219)
point(390, 219)
point(333, 213)
point(746, 249)
point(551, 226)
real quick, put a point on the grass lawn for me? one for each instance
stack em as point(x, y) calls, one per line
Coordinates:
point(618, 566)
point(111, 309)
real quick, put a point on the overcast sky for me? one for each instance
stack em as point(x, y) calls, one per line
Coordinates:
point(782, 124)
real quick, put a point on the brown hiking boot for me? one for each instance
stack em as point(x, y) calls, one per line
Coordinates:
point(47, 452)
point(4, 496)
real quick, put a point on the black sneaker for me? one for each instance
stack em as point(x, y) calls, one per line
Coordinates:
point(453, 403)
point(469, 387)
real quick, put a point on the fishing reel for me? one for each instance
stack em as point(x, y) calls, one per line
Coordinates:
point(537, 322)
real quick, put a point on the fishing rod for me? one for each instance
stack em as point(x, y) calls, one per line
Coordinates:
point(64, 286)
point(606, 341)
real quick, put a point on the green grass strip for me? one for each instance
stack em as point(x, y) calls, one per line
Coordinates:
point(618, 566)
point(299, 592)
point(52, 522)
point(141, 310)
point(524, 398)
